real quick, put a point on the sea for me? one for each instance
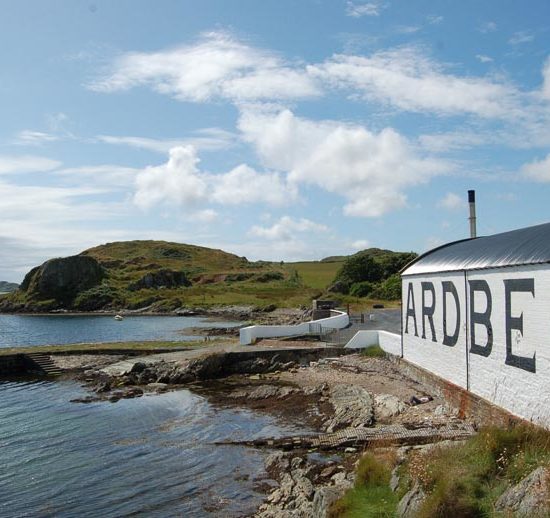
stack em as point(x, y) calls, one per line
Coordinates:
point(150, 456)
point(26, 330)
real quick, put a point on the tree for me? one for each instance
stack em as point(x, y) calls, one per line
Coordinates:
point(359, 268)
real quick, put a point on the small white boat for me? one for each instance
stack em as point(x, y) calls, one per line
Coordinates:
point(119, 317)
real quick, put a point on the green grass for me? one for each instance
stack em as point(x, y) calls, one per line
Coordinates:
point(106, 347)
point(375, 351)
point(371, 495)
point(463, 480)
point(466, 480)
point(316, 274)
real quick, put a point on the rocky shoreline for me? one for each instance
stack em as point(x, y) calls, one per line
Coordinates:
point(322, 390)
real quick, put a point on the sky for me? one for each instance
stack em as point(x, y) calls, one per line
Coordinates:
point(274, 129)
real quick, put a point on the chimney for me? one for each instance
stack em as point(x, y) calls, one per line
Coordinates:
point(472, 218)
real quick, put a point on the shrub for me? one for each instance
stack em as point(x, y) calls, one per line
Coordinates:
point(270, 276)
point(361, 289)
point(95, 298)
point(360, 268)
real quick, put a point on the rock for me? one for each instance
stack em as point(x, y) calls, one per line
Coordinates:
point(529, 497)
point(329, 471)
point(394, 481)
point(409, 505)
point(87, 399)
point(103, 386)
point(353, 407)
point(163, 278)
point(387, 406)
point(260, 392)
point(315, 391)
point(323, 499)
point(158, 387)
point(63, 278)
point(138, 367)
point(277, 461)
point(285, 391)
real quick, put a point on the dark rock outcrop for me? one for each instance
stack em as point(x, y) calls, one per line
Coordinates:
point(62, 279)
point(161, 279)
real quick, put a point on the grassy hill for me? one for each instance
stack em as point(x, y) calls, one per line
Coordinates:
point(164, 276)
point(158, 275)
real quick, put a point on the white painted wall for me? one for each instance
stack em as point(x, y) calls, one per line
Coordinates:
point(445, 361)
point(389, 342)
point(337, 320)
point(504, 379)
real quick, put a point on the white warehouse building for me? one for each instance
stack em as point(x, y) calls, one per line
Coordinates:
point(477, 313)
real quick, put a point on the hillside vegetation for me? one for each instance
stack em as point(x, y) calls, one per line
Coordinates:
point(161, 276)
point(372, 273)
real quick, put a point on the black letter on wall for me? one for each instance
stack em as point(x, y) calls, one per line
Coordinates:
point(428, 311)
point(449, 287)
point(411, 311)
point(483, 319)
point(511, 285)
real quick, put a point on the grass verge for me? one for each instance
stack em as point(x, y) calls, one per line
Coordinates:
point(371, 495)
point(107, 347)
point(374, 351)
point(463, 480)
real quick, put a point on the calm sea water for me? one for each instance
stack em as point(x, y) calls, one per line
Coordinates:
point(151, 456)
point(24, 330)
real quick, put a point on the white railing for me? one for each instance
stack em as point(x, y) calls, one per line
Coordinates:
point(337, 320)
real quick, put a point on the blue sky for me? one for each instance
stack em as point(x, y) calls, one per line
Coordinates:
point(272, 129)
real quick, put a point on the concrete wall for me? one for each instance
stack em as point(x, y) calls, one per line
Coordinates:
point(487, 331)
point(12, 365)
point(248, 335)
point(389, 342)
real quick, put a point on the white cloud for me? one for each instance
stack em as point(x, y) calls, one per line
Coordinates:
point(177, 181)
point(217, 66)
point(245, 185)
point(484, 59)
point(204, 216)
point(450, 141)
point(26, 164)
point(546, 79)
point(180, 182)
point(370, 170)
point(357, 10)
point(408, 79)
point(521, 37)
point(29, 137)
point(452, 201)
point(538, 170)
point(211, 139)
point(105, 176)
point(407, 29)
point(434, 19)
point(487, 27)
point(286, 229)
point(361, 244)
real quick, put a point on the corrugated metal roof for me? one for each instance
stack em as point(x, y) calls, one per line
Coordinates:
point(529, 245)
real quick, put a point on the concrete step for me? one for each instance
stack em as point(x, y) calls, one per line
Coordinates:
point(44, 363)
